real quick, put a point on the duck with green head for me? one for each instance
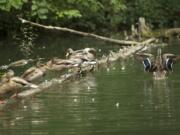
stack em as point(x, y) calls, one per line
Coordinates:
point(160, 66)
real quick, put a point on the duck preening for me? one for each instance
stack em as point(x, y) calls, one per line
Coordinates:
point(160, 65)
point(12, 84)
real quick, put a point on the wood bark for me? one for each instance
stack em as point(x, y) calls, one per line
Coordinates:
point(173, 31)
point(120, 42)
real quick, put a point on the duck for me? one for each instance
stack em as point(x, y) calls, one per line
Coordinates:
point(35, 72)
point(21, 62)
point(60, 64)
point(5, 77)
point(160, 66)
point(12, 84)
point(86, 54)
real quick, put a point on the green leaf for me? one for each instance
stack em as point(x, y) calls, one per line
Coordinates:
point(3, 1)
point(16, 3)
point(69, 14)
point(34, 13)
point(25, 1)
point(42, 16)
point(43, 11)
point(34, 7)
point(42, 4)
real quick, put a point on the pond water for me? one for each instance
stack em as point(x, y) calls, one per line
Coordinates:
point(122, 100)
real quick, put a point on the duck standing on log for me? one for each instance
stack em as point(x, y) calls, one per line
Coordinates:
point(60, 64)
point(73, 59)
point(34, 73)
point(87, 57)
point(11, 84)
point(87, 54)
point(160, 66)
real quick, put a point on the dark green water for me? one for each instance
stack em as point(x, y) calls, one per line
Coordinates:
point(119, 101)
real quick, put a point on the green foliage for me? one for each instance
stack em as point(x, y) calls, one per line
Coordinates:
point(8, 4)
point(94, 14)
point(69, 14)
point(39, 9)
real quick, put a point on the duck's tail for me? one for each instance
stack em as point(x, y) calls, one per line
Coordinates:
point(31, 85)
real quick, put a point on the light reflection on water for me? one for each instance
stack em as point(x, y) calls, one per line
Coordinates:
point(121, 100)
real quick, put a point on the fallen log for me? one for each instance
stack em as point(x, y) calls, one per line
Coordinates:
point(172, 32)
point(46, 84)
point(120, 42)
point(125, 52)
point(86, 67)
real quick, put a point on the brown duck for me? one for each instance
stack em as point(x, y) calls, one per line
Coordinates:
point(60, 64)
point(12, 84)
point(87, 54)
point(159, 66)
point(34, 73)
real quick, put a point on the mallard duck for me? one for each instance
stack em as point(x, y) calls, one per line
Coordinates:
point(34, 73)
point(87, 54)
point(59, 64)
point(23, 62)
point(159, 66)
point(11, 83)
point(7, 76)
point(20, 63)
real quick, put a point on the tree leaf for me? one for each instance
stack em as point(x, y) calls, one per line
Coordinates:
point(42, 16)
point(43, 11)
point(34, 7)
point(3, 1)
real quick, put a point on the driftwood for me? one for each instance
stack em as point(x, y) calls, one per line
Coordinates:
point(143, 29)
point(44, 85)
point(172, 32)
point(120, 42)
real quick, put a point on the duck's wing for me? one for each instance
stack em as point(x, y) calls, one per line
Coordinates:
point(28, 71)
point(169, 59)
point(23, 82)
point(147, 59)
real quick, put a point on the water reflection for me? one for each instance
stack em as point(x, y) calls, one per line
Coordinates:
point(158, 101)
point(122, 100)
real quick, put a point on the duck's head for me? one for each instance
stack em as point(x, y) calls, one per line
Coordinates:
point(90, 50)
point(7, 76)
point(10, 73)
point(69, 52)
